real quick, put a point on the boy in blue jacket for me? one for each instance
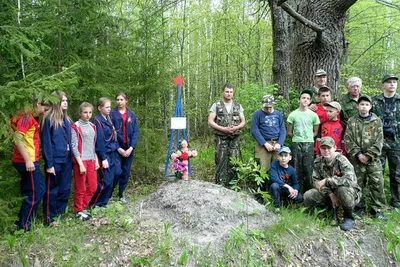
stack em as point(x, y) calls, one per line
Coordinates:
point(284, 184)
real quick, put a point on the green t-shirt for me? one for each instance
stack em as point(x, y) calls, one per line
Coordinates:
point(303, 122)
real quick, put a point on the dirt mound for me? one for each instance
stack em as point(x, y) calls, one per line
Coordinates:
point(202, 212)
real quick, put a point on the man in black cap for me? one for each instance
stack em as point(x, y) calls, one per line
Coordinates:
point(387, 107)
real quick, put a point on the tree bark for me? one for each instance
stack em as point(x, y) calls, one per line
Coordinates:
point(311, 38)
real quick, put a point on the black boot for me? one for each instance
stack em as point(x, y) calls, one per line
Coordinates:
point(348, 222)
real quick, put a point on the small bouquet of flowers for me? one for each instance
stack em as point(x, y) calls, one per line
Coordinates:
point(180, 167)
point(181, 159)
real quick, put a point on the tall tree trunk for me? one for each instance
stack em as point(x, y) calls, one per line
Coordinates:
point(19, 25)
point(281, 66)
point(314, 39)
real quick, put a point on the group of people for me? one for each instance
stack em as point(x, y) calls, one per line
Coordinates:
point(338, 148)
point(99, 154)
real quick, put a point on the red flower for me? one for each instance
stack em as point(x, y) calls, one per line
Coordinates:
point(184, 156)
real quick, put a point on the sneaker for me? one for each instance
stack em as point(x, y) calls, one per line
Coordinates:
point(54, 224)
point(123, 200)
point(347, 224)
point(380, 216)
point(82, 216)
point(87, 213)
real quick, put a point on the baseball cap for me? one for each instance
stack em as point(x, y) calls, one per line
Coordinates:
point(327, 141)
point(306, 91)
point(320, 72)
point(364, 98)
point(334, 104)
point(284, 149)
point(268, 101)
point(389, 76)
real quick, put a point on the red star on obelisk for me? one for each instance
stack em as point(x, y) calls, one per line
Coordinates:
point(178, 80)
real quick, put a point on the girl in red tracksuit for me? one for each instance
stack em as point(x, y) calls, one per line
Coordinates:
point(84, 161)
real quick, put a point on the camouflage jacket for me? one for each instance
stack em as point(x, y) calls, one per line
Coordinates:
point(378, 107)
point(338, 172)
point(365, 136)
point(225, 119)
point(349, 106)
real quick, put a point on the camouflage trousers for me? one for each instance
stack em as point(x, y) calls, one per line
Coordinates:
point(303, 162)
point(391, 152)
point(348, 197)
point(370, 176)
point(226, 147)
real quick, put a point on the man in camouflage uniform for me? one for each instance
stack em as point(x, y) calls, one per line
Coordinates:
point(387, 107)
point(227, 119)
point(320, 80)
point(349, 100)
point(335, 183)
point(363, 141)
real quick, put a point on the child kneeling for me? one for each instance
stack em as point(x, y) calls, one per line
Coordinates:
point(284, 184)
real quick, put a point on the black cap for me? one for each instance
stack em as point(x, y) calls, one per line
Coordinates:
point(389, 76)
point(364, 98)
point(306, 91)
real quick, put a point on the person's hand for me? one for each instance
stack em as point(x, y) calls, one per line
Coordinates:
point(268, 147)
point(277, 147)
point(121, 152)
point(334, 199)
point(97, 165)
point(128, 151)
point(293, 193)
point(313, 107)
point(320, 184)
point(82, 169)
point(51, 170)
point(30, 167)
point(104, 164)
point(363, 158)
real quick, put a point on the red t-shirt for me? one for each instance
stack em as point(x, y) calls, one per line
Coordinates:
point(124, 116)
point(321, 112)
point(26, 125)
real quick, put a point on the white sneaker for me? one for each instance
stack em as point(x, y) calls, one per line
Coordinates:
point(82, 216)
point(123, 200)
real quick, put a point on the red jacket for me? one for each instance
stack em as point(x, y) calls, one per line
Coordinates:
point(334, 129)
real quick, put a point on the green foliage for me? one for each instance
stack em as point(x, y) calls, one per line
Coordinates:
point(392, 234)
point(250, 177)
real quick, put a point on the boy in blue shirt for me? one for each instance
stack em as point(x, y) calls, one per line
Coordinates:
point(284, 184)
point(268, 129)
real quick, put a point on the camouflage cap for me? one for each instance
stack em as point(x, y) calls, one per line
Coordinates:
point(334, 104)
point(284, 149)
point(327, 141)
point(320, 72)
point(364, 98)
point(389, 76)
point(268, 101)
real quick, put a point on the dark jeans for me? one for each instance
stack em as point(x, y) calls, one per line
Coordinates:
point(282, 193)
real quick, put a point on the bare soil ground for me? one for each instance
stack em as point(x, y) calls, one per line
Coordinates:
point(201, 215)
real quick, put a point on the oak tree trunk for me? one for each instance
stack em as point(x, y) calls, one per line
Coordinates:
point(308, 35)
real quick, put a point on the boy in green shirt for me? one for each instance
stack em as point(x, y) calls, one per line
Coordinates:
point(302, 128)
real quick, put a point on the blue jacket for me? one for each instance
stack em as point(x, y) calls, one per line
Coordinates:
point(132, 128)
point(56, 143)
point(265, 127)
point(283, 176)
point(105, 141)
